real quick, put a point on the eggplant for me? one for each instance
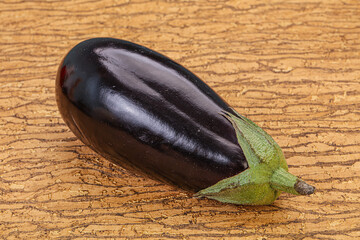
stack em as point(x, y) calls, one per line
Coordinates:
point(149, 114)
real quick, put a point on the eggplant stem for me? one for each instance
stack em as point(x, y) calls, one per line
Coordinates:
point(282, 180)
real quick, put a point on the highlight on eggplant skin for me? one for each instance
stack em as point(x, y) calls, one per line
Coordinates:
point(147, 113)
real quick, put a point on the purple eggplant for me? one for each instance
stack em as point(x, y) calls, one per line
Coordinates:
point(149, 114)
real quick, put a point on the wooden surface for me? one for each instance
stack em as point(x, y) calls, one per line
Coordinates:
point(293, 67)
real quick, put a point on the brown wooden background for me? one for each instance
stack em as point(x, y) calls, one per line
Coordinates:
point(293, 67)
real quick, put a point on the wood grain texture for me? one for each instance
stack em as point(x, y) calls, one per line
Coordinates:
point(293, 67)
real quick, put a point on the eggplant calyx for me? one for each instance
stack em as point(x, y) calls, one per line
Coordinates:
point(250, 187)
point(267, 175)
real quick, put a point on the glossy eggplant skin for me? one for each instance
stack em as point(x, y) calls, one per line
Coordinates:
point(143, 111)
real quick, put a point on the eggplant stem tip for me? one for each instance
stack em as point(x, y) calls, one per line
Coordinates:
point(303, 188)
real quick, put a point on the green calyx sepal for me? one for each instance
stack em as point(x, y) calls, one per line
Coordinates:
point(267, 175)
